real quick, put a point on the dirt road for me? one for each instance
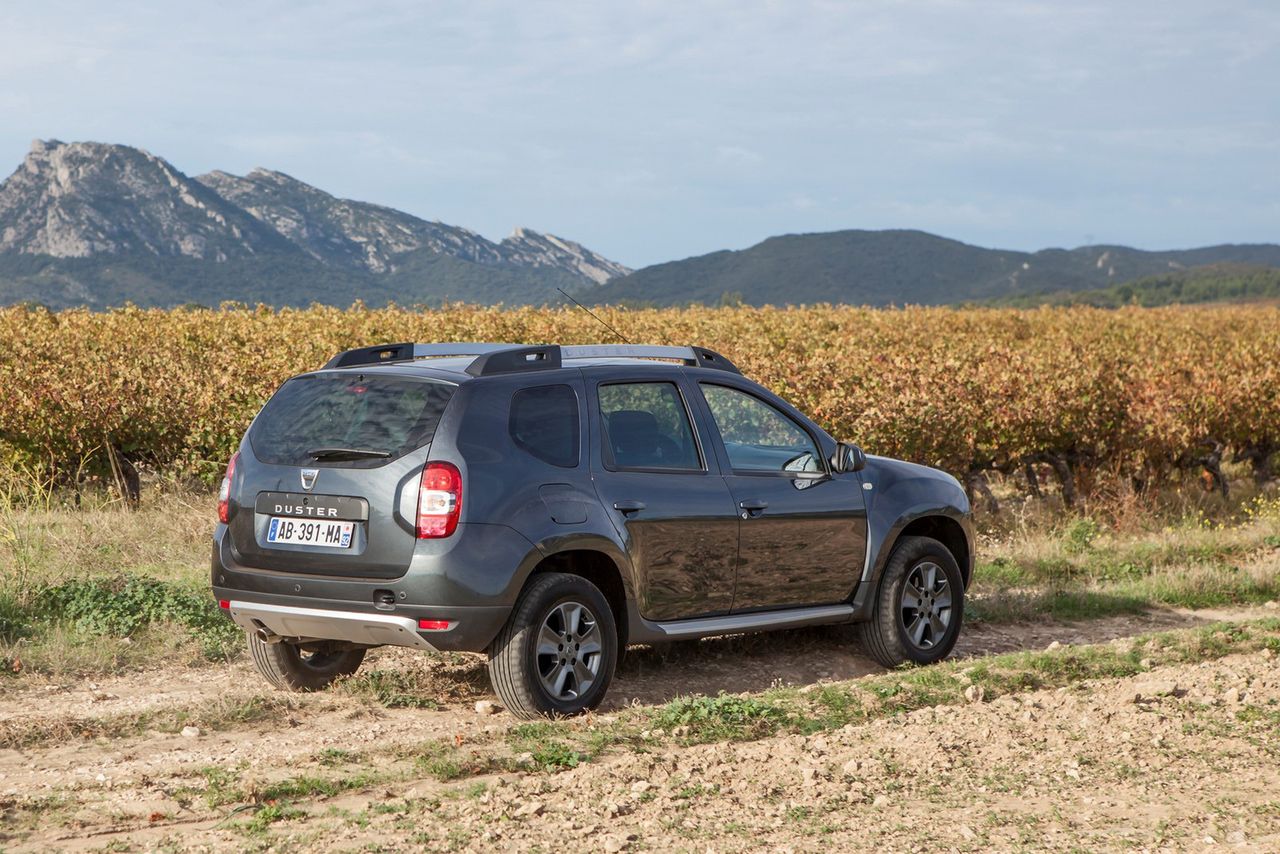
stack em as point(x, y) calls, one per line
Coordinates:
point(1193, 759)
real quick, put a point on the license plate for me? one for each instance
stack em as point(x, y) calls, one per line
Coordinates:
point(304, 532)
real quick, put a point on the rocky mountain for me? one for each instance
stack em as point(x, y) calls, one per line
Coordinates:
point(98, 224)
point(86, 199)
point(900, 267)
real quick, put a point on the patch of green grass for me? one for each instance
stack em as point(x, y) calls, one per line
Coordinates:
point(1090, 604)
point(1079, 535)
point(268, 814)
point(118, 606)
point(391, 689)
point(556, 756)
point(833, 707)
point(332, 756)
point(721, 718)
point(1001, 572)
point(310, 786)
point(799, 813)
point(540, 741)
point(445, 761)
point(13, 619)
point(82, 612)
point(221, 786)
point(695, 790)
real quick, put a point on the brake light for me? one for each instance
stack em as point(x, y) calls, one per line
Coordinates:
point(439, 500)
point(224, 492)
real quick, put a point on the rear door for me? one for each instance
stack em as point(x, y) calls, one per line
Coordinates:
point(803, 535)
point(329, 473)
point(654, 473)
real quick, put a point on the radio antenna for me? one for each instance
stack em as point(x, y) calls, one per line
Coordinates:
point(599, 320)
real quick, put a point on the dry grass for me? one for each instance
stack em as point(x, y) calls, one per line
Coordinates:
point(1080, 567)
point(45, 548)
point(1183, 549)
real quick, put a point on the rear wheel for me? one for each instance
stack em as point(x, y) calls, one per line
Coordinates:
point(293, 667)
point(556, 654)
point(919, 606)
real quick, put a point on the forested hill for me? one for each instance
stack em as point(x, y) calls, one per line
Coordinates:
point(1213, 283)
point(899, 267)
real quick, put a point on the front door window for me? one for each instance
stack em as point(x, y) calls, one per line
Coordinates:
point(759, 438)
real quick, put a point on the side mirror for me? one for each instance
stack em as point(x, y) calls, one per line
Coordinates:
point(848, 458)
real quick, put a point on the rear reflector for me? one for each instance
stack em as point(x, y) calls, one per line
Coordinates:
point(224, 604)
point(434, 625)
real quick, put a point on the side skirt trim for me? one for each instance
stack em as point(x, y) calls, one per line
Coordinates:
point(647, 631)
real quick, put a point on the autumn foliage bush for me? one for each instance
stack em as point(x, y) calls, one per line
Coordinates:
point(1079, 393)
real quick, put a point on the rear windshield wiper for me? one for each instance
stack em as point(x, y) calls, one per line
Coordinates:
point(347, 454)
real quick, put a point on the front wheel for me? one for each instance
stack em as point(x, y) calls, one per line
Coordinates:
point(292, 668)
point(919, 606)
point(557, 652)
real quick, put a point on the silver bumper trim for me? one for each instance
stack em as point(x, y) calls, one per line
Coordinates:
point(292, 622)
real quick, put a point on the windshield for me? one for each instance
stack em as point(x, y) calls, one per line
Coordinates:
point(351, 419)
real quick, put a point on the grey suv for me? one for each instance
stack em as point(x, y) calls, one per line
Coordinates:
point(549, 505)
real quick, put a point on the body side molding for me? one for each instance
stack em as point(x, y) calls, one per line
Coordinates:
point(647, 631)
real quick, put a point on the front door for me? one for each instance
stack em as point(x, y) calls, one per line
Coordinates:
point(668, 500)
point(803, 530)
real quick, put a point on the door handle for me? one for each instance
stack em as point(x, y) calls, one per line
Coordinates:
point(753, 507)
point(628, 506)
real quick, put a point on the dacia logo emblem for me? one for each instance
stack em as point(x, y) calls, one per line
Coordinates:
point(309, 478)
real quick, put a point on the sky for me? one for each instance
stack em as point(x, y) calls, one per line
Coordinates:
point(651, 131)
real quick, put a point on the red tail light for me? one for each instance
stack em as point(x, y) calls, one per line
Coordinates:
point(224, 493)
point(439, 500)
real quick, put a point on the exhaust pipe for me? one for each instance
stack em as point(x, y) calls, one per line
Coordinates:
point(267, 636)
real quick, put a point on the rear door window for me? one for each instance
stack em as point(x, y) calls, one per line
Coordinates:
point(544, 423)
point(646, 426)
point(387, 415)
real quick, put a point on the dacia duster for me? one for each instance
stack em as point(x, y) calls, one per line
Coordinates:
point(551, 504)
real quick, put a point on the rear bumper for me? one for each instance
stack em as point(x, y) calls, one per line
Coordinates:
point(296, 623)
point(473, 585)
point(471, 629)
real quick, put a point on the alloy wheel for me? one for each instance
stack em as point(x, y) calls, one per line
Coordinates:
point(925, 607)
point(569, 651)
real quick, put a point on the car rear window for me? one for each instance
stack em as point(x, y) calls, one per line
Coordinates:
point(393, 415)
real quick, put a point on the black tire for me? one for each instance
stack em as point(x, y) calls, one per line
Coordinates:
point(898, 633)
point(524, 673)
point(290, 668)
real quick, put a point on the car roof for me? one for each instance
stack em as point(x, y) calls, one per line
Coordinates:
point(463, 361)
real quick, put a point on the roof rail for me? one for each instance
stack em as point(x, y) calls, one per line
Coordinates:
point(696, 357)
point(407, 351)
point(510, 358)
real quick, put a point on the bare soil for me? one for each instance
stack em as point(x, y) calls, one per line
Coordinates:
point(1086, 767)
